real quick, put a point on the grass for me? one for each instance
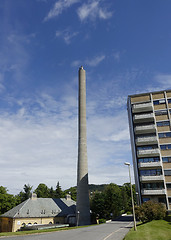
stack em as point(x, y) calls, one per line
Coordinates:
point(34, 231)
point(155, 230)
point(39, 231)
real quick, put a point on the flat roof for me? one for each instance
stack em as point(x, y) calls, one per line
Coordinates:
point(141, 94)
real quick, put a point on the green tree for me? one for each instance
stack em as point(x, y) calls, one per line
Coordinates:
point(113, 200)
point(7, 201)
point(126, 196)
point(42, 191)
point(51, 193)
point(97, 204)
point(58, 192)
point(24, 195)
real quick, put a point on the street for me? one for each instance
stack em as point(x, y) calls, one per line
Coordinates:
point(115, 230)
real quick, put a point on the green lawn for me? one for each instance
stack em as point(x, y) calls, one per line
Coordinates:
point(155, 230)
point(39, 231)
point(32, 231)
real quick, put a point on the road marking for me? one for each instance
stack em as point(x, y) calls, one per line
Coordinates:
point(117, 231)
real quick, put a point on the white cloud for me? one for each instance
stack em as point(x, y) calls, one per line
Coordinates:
point(95, 61)
point(59, 7)
point(14, 57)
point(92, 10)
point(67, 35)
point(164, 80)
point(76, 63)
point(92, 62)
point(39, 141)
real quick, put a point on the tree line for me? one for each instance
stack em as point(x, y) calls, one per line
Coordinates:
point(106, 200)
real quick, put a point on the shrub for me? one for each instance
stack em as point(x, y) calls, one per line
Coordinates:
point(102, 220)
point(149, 211)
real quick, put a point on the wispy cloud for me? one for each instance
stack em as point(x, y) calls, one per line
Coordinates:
point(92, 62)
point(76, 63)
point(163, 79)
point(59, 7)
point(67, 35)
point(95, 61)
point(93, 10)
point(44, 129)
point(14, 56)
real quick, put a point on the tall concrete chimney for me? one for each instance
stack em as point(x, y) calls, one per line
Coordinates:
point(83, 204)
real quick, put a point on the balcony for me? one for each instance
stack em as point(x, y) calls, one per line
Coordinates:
point(153, 192)
point(148, 152)
point(143, 107)
point(145, 129)
point(146, 140)
point(149, 164)
point(152, 178)
point(143, 117)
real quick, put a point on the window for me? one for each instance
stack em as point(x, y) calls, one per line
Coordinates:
point(165, 147)
point(167, 172)
point(164, 123)
point(168, 185)
point(161, 112)
point(165, 135)
point(145, 199)
point(169, 100)
point(162, 200)
point(152, 186)
point(151, 172)
point(166, 159)
point(151, 159)
point(147, 147)
point(157, 102)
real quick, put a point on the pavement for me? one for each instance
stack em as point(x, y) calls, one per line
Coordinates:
point(114, 230)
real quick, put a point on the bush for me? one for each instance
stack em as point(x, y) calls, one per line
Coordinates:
point(102, 220)
point(149, 211)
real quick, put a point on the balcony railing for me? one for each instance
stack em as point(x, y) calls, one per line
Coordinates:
point(143, 107)
point(153, 192)
point(151, 178)
point(143, 117)
point(149, 164)
point(145, 129)
point(146, 140)
point(148, 152)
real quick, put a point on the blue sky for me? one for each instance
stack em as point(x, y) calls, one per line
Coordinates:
point(125, 48)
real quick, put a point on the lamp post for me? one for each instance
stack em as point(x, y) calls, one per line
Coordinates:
point(133, 209)
point(78, 215)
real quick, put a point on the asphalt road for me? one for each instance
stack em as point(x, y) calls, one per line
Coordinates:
point(115, 230)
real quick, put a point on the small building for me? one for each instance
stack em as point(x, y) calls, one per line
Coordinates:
point(38, 211)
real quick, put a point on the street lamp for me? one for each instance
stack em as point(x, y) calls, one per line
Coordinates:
point(133, 209)
point(78, 214)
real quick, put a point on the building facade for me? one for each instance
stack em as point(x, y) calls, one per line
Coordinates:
point(150, 131)
point(38, 211)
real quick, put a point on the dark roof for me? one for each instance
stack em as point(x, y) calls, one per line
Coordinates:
point(42, 207)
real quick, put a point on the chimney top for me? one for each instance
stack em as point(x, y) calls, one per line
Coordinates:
point(68, 197)
point(33, 196)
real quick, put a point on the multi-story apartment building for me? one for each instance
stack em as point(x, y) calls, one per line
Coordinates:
point(150, 131)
